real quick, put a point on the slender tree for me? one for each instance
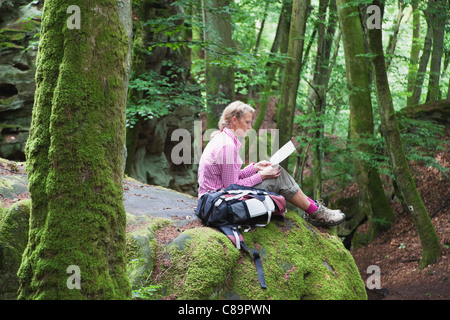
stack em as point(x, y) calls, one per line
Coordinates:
point(423, 63)
point(373, 200)
point(415, 51)
point(431, 250)
point(76, 247)
point(392, 43)
point(319, 86)
point(219, 70)
point(291, 78)
point(438, 13)
point(282, 33)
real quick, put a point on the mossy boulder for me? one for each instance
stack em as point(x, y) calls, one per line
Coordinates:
point(299, 261)
point(168, 249)
point(13, 240)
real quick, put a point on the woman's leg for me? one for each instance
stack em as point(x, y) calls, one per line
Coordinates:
point(317, 213)
point(303, 202)
point(286, 186)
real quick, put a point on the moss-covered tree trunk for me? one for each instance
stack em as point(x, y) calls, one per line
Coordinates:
point(423, 63)
point(318, 91)
point(431, 250)
point(291, 79)
point(281, 34)
point(414, 55)
point(374, 203)
point(76, 247)
point(438, 12)
point(220, 89)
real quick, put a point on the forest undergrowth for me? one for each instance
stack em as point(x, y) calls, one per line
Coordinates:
point(397, 251)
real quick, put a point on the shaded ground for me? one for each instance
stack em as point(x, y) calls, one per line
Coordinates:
point(397, 252)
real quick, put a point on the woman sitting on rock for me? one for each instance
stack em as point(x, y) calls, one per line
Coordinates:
point(220, 166)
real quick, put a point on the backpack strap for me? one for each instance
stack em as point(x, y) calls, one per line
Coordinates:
point(238, 240)
point(269, 213)
point(259, 268)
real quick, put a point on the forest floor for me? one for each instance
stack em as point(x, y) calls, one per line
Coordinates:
point(397, 252)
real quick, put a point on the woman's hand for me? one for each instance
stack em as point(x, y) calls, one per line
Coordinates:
point(270, 172)
point(261, 165)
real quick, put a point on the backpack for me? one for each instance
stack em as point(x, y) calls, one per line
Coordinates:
point(235, 206)
point(240, 206)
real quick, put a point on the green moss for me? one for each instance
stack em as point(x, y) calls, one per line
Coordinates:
point(10, 35)
point(74, 161)
point(299, 261)
point(14, 223)
point(141, 251)
point(201, 259)
point(296, 263)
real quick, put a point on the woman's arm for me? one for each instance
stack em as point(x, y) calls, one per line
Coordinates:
point(231, 172)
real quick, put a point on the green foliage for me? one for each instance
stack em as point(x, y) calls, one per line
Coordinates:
point(159, 94)
point(146, 293)
point(251, 63)
point(421, 140)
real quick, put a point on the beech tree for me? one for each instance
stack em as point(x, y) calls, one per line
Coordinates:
point(414, 54)
point(319, 86)
point(373, 200)
point(76, 247)
point(431, 250)
point(438, 20)
point(291, 78)
point(219, 72)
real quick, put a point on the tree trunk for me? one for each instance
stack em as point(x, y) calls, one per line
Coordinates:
point(372, 197)
point(282, 33)
point(284, 41)
point(76, 247)
point(219, 76)
point(291, 79)
point(197, 54)
point(318, 94)
point(414, 55)
point(448, 91)
point(438, 20)
point(431, 250)
point(423, 64)
point(392, 44)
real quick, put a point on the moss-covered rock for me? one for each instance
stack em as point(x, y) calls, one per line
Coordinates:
point(19, 32)
point(14, 223)
point(201, 260)
point(299, 261)
point(170, 250)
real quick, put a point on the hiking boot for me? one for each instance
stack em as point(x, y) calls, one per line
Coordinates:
point(324, 217)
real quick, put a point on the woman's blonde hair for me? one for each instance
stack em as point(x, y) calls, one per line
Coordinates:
point(235, 109)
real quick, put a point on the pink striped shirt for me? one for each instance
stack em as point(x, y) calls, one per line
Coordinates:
point(220, 165)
